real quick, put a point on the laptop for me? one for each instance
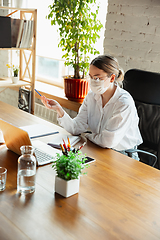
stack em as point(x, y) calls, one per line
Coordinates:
point(15, 137)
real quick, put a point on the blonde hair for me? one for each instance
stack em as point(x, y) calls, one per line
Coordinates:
point(109, 65)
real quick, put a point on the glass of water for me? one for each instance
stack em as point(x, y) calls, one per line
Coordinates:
point(3, 177)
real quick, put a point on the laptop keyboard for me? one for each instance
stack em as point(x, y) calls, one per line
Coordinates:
point(42, 157)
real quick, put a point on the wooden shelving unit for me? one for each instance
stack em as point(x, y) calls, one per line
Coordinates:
point(27, 55)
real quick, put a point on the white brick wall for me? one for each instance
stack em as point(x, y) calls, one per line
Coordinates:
point(3, 62)
point(133, 33)
point(9, 96)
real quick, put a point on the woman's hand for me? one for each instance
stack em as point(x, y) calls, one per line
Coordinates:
point(52, 104)
point(49, 103)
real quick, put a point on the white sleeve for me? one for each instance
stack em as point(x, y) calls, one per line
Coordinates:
point(119, 123)
point(77, 125)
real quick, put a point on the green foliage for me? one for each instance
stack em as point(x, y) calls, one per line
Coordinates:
point(78, 30)
point(69, 167)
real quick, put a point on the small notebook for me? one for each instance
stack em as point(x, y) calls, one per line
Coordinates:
point(59, 140)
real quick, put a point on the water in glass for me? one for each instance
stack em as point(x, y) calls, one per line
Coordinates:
point(26, 170)
point(3, 176)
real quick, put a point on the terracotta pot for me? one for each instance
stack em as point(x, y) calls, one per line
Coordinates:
point(76, 89)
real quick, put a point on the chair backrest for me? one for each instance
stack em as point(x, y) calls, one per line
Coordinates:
point(144, 87)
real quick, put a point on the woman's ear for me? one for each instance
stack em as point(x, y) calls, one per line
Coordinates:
point(113, 76)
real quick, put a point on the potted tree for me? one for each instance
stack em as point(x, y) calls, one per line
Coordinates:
point(78, 30)
point(68, 167)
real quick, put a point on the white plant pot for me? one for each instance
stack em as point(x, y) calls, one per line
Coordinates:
point(15, 80)
point(66, 188)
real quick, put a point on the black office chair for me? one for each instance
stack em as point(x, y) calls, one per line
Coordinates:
point(144, 87)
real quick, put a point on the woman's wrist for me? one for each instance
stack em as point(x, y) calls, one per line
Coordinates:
point(60, 111)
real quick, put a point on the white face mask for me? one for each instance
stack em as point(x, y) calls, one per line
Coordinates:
point(98, 86)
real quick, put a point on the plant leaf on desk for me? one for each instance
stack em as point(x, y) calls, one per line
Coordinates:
point(69, 167)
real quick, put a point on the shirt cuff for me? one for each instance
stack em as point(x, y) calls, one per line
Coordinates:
point(63, 119)
point(60, 119)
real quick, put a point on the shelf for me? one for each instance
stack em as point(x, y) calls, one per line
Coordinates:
point(20, 9)
point(14, 48)
point(27, 60)
point(7, 83)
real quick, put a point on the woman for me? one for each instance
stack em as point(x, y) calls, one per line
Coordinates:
point(108, 110)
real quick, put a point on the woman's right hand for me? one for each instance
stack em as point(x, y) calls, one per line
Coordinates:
point(49, 103)
point(52, 104)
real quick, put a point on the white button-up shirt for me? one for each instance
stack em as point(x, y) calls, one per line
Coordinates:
point(113, 126)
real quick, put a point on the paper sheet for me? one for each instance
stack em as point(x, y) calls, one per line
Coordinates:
point(38, 130)
point(1, 137)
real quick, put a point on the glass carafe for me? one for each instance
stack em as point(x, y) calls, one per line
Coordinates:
point(26, 175)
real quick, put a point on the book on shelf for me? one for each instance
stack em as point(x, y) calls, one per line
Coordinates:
point(24, 32)
point(15, 28)
point(5, 32)
point(17, 33)
point(27, 34)
point(25, 44)
point(20, 33)
point(30, 33)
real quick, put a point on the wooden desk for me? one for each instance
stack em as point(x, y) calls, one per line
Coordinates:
point(118, 199)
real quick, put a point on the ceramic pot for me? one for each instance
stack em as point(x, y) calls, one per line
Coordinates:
point(66, 188)
point(15, 80)
point(76, 89)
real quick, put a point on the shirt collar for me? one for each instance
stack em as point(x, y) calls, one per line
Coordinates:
point(115, 95)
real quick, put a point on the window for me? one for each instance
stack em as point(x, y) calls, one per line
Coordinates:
point(49, 64)
point(50, 70)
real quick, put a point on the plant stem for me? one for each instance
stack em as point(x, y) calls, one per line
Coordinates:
point(76, 70)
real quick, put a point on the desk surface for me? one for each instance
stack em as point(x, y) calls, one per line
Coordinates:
point(118, 199)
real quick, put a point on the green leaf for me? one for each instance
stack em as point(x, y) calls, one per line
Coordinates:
point(78, 30)
point(69, 167)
